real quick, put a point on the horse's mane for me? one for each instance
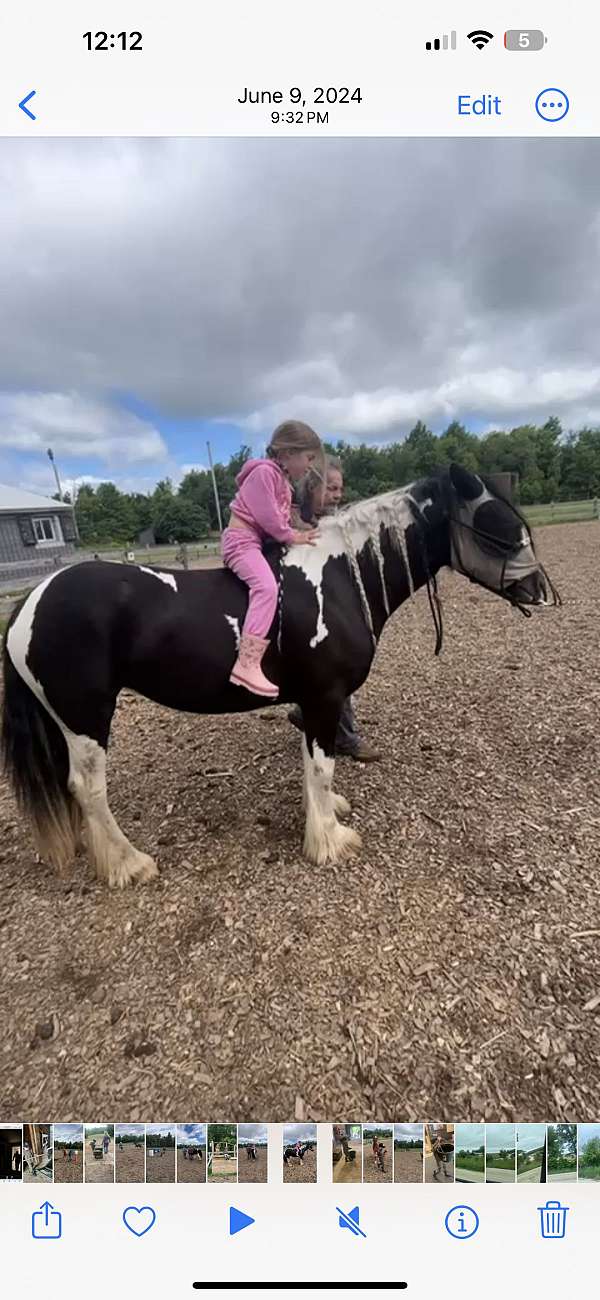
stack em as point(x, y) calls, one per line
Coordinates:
point(358, 526)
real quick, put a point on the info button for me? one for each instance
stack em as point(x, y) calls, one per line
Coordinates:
point(481, 105)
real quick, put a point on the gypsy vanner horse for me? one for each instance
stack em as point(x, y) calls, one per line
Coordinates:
point(88, 631)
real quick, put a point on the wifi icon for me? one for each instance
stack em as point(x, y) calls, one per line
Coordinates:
point(480, 38)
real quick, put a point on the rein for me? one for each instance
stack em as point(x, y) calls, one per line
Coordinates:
point(433, 595)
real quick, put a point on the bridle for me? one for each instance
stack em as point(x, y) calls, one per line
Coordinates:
point(506, 551)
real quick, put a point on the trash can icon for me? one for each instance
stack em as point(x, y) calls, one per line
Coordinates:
point(553, 1218)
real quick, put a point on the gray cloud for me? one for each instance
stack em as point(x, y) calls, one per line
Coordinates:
point(357, 283)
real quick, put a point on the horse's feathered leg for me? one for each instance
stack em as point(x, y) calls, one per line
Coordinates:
point(325, 839)
point(115, 859)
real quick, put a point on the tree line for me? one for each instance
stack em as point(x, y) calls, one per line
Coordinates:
point(552, 465)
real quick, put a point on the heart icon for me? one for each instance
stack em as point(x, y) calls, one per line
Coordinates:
point(139, 1219)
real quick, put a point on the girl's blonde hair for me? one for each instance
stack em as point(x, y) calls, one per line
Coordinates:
point(294, 435)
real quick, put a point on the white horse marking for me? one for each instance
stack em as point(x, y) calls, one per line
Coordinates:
point(346, 533)
point(168, 578)
point(325, 839)
point(18, 641)
point(234, 624)
point(114, 857)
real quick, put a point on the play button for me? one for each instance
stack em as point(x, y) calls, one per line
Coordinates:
point(238, 1220)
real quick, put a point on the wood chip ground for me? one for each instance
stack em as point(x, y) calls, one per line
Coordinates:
point(451, 969)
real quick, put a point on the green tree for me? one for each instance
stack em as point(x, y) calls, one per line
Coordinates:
point(424, 447)
point(455, 444)
point(180, 521)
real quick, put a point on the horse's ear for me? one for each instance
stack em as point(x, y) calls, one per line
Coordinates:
point(466, 485)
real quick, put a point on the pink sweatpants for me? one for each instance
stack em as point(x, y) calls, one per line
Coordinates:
point(242, 553)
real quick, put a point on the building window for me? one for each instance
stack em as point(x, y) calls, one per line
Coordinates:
point(47, 531)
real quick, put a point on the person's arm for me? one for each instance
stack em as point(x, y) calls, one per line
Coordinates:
point(261, 500)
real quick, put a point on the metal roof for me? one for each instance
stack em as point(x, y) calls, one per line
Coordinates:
point(14, 500)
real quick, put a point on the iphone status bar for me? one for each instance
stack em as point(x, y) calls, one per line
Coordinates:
point(265, 69)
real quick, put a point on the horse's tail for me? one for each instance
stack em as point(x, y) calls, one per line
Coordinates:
point(36, 762)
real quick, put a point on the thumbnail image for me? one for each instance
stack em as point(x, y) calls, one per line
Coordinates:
point(68, 1153)
point(531, 1153)
point(408, 1153)
point(347, 1153)
point(37, 1153)
point(191, 1153)
point(439, 1153)
point(299, 1153)
point(11, 1142)
point(222, 1153)
point(377, 1153)
point(160, 1153)
point(589, 1152)
point(99, 1149)
point(252, 1153)
point(562, 1153)
point(130, 1151)
point(469, 1158)
point(500, 1153)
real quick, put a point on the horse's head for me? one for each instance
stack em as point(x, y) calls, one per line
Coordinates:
point(491, 543)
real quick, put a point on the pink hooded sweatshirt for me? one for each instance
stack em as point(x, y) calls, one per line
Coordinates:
point(264, 499)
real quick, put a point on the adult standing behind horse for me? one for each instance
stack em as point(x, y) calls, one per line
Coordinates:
point(316, 502)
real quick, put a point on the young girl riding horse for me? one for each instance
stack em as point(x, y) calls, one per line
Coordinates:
point(262, 508)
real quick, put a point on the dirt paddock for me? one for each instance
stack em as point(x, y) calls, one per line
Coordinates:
point(408, 1166)
point(252, 1171)
point(161, 1169)
point(191, 1171)
point(68, 1171)
point(448, 969)
point(301, 1171)
point(129, 1164)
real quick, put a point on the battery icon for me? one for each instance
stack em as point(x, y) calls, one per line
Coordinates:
point(528, 39)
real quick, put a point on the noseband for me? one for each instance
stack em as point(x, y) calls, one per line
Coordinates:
point(505, 550)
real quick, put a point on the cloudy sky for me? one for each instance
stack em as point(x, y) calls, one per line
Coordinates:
point(157, 293)
point(191, 1135)
point(299, 1133)
point(252, 1133)
point(530, 1137)
point(469, 1137)
point(499, 1137)
point(68, 1132)
point(408, 1132)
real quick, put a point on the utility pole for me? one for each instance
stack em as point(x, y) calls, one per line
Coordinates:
point(53, 463)
point(50, 455)
point(214, 482)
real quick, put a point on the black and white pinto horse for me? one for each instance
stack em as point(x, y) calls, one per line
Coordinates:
point(88, 631)
point(296, 1153)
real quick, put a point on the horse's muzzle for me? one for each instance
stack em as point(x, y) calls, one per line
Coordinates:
point(531, 590)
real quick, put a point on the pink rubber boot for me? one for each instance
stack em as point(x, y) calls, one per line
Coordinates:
point(247, 670)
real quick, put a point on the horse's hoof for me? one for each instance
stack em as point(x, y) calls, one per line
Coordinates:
point(138, 868)
point(336, 845)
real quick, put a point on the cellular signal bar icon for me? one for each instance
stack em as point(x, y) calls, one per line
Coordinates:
point(442, 43)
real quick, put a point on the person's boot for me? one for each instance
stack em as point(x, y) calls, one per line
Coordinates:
point(247, 670)
point(362, 753)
